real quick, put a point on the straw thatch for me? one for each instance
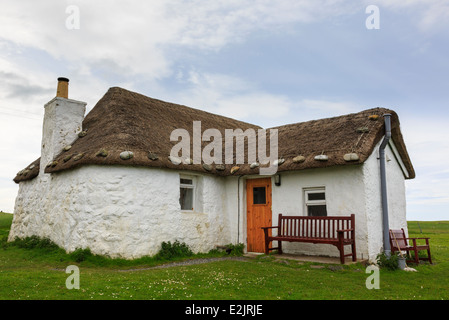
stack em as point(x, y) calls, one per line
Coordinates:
point(127, 128)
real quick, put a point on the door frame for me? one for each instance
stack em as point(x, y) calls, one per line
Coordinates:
point(267, 216)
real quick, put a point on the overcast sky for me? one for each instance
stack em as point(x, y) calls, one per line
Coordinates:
point(264, 62)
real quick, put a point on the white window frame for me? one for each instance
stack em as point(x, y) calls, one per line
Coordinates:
point(308, 202)
point(188, 186)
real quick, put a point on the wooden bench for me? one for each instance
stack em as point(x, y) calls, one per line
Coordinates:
point(398, 242)
point(336, 230)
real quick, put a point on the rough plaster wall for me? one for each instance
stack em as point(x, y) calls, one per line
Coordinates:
point(344, 196)
point(119, 211)
point(128, 212)
point(234, 215)
point(62, 122)
point(395, 194)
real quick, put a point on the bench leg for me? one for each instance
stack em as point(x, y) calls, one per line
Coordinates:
point(280, 247)
point(428, 254)
point(267, 241)
point(354, 254)
point(341, 247)
point(267, 246)
point(415, 252)
point(428, 251)
point(342, 256)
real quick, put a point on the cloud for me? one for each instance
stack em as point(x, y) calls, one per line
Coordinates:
point(228, 96)
point(214, 24)
point(132, 37)
point(430, 15)
point(119, 36)
point(244, 100)
point(428, 147)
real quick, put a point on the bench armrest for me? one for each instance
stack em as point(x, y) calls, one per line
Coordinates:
point(345, 230)
point(417, 238)
point(270, 227)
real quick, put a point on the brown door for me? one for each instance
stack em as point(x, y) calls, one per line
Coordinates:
point(258, 205)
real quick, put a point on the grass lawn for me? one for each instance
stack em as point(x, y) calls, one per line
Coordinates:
point(39, 274)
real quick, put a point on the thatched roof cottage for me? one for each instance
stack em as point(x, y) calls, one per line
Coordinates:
point(109, 181)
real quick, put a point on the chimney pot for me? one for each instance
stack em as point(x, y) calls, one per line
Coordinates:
point(63, 88)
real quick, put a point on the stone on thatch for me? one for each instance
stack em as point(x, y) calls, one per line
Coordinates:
point(321, 157)
point(351, 157)
point(152, 156)
point(102, 153)
point(299, 159)
point(278, 162)
point(82, 133)
point(78, 156)
point(234, 169)
point(362, 129)
point(207, 167)
point(126, 155)
point(174, 160)
point(254, 165)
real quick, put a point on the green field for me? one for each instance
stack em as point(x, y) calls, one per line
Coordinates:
point(39, 273)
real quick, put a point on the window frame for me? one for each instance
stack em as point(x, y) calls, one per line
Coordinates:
point(265, 198)
point(309, 203)
point(187, 186)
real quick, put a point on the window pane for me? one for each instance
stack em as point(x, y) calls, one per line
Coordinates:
point(186, 199)
point(317, 211)
point(259, 196)
point(316, 196)
point(186, 181)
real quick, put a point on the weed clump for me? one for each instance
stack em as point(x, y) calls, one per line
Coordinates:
point(34, 242)
point(385, 262)
point(80, 255)
point(176, 249)
point(235, 249)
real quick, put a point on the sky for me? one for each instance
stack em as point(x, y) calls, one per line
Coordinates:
point(265, 62)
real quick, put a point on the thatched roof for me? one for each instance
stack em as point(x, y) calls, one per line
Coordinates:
point(127, 121)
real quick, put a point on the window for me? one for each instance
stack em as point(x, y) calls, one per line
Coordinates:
point(315, 201)
point(187, 193)
point(259, 195)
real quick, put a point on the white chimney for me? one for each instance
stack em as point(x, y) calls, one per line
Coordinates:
point(62, 122)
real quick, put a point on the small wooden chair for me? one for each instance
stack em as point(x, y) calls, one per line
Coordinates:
point(398, 242)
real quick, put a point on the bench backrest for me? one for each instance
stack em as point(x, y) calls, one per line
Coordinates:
point(316, 227)
point(398, 238)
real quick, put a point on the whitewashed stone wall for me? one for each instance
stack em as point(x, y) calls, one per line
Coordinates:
point(62, 122)
point(128, 212)
point(344, 189)
point(396, 199)
point(119, 211)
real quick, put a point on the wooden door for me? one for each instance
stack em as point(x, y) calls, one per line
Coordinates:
point(258, 209)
